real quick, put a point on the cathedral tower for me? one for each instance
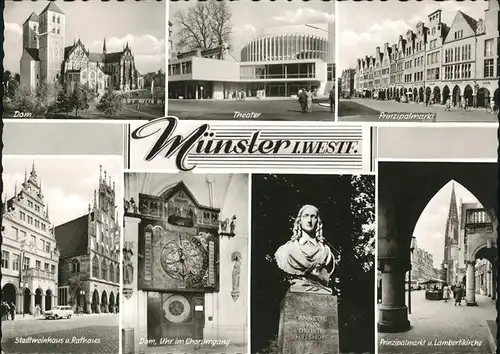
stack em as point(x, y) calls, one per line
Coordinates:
point(30, 32)
point(51, 42)
point(451, 240)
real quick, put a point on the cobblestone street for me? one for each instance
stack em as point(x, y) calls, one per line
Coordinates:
point(368, 110)
point(435, 322)
point(79, 334)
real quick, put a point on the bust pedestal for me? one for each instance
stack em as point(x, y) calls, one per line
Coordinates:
point(308, 324)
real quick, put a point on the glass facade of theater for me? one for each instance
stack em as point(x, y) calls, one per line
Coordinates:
point(285, 47)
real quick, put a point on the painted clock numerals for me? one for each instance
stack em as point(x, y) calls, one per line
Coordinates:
point(185, 259)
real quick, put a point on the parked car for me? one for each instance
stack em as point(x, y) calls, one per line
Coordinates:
point(59, 312)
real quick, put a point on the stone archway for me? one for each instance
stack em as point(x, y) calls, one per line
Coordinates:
point(117, 302)
point(437, 94)
point(446, 94)
point(95, 302)
point(483, 97)
point(38, 297)
point(421, 94)
point(48, 299)
point(111, 303)
point(428, 93)
point(456, 95)
point(9, 292)
point(399, 209)
point(104, 302)
point(415, 94)
point(469, 95)
point(27, 301)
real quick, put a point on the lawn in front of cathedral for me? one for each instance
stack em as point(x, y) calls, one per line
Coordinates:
point(96, 333)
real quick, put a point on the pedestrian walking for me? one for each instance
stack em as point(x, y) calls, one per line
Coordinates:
point(458, 295)
point(331, 100)
point(12, 310)
point(309, 100)
point(446, 293)
point(303, 100)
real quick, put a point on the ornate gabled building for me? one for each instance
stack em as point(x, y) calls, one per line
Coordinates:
point(30, 255)
point(46, 59)
point(89, 271)
point(436, 62)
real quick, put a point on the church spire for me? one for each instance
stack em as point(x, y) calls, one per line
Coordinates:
point(25, 175)
point(104, 46)
point(453, 203)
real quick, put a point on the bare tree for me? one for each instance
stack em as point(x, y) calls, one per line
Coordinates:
point(203, 26)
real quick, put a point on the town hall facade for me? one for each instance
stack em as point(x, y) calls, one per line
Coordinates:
point(46, 59)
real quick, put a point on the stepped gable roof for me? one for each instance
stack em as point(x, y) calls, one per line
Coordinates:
point(33, 53)
point(52, 7)
point(33, 17)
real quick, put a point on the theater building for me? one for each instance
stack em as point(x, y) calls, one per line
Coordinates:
point(277, 63)
point(436, 61)
point(185, 260)
point(89, 271)
point(30, 254)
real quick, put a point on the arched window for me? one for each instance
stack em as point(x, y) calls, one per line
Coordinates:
point(104, 270)
point(75, 266)
point(95, 267)
point(117, 277)
point(112, 273)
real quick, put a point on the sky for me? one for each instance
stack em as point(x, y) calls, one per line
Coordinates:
point(363, 28)
point(68, 182)
point(249, 21)
point(142, 25)
point(430, 228)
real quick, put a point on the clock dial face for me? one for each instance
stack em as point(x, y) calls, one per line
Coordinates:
point(185, 259)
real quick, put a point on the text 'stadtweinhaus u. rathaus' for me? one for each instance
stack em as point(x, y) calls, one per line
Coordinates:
point(75, 264)
point(47, 59)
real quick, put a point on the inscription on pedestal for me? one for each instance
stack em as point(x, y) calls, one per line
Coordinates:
point(308, 324)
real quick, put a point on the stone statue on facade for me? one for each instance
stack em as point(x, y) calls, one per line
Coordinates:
point(306, 259)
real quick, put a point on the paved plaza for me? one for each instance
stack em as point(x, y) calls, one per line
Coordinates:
point(264, 109)
point(79, 334)
point(367, 110)
point(435, 322)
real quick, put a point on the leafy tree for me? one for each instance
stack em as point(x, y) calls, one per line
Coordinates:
point(110, 103)
point(346, 205)
point(63, 102)
point(204, 25)
point(17, 77)
point(78, 99)
point(23, 100)
point(12, 86)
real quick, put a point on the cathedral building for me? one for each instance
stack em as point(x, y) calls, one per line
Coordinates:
point(30, 255)
point(89, 271)
point(46, 58)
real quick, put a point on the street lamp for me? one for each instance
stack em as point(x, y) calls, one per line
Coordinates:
point(412, 248)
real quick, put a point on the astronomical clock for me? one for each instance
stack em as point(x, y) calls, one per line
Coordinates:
point(178, 243)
